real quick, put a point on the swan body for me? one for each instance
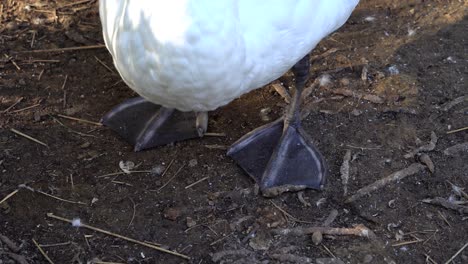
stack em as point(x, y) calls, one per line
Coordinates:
point(198, 55)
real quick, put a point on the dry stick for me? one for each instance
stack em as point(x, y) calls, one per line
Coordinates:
point(457, 130)
point(42, 252)
point(456, 149)
point(105, 65)
point(10, 244)
point(26, 108)
point(447, 204)
point(8, 196)
point(134, 212)
point(197, 182)
point(58, 198)
point(55, 244)
point(344, 170)
point(104, 262)
point(75, 3)
point(407, 242)
point(13, 105)
point(456, 254)
point(429, 258)
point(28, 137)
point(65, 49)
point(51, 215)
point(162, 187)
point(212, 134)
point(396, 176)
point(424, 148)
point(455, 102)
point(359, 230)
point(121, 173)
point(289, 215)
point(79, 120)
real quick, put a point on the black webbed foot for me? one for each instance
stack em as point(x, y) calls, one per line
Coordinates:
point(146, 125)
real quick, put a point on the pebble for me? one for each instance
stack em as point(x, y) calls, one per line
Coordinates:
point(368, 258)
point(172, 213)
point(193, 163)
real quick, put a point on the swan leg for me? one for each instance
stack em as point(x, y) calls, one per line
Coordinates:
point(280, 156)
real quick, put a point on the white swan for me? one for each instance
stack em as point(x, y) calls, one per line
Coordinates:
point(198, 55)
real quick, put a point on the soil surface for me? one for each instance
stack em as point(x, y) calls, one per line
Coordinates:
point(392, 76)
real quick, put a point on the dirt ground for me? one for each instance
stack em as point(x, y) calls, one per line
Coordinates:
point(395, 73)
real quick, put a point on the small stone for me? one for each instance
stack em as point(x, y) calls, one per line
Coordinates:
point(172, 213)
point(356, 112)
point(344, 81)
point(368, 258)
point(193, 163)
point(329, 261)
point(264, 114)
point(85, 145)
point(157, 170)
point(22, 82)
point(317, 238)
point(190, 222)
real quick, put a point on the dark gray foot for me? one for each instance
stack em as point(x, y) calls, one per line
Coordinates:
point(146, 125)
point(279, 159)
point(279, 156)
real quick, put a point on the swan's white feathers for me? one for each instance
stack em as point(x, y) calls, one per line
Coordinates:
point(201, 54)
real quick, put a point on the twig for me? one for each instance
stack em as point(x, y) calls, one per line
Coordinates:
point(16, 257)
point(55, 244)
point(407, 243)
point(212, 134)
point(317, 236)
point(26, 108)
point(64, 49)
point(134, 212)
point(58, 198)
point(221, 239)
point(300, 196)
point(28, 137)
point(425, 148)
point(429, 258)
point(289, 215)
point(279, 88)
point(80, 120)
point(329, 251)
point(444, 218)
point(162, 187)
point(74, 3)
point(105, 65)
point(13, 105)
point(42, 252)
point(453, 103)
point(456, 254)
point(359, 230)
point(457, 130)
point(9, 196)
point(396, 176)
point(291, 258)
point(447, 204)
point(197, 182)
point(49, 195)
point(10, 244)
point(51, 215)
point(344, 170)
point(456, 149)
point(121, 173)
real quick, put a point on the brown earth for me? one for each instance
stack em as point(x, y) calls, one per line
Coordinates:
point(396, 68)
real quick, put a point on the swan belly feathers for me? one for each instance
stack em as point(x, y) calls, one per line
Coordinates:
point(197, 55)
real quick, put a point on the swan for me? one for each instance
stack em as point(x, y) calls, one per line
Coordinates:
point(187, 57)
